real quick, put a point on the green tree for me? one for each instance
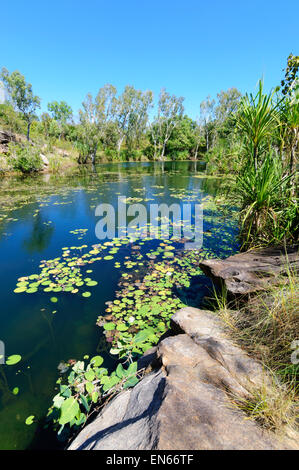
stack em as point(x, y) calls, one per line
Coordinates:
point(291, 74)
point(131, 114)
point(61, 112)
point(21, 95)
point(228, 102)
point(289, 117)
point(185, 140)
point(45, 122)
point(207, 116)
point(170, 109)
point(88, 138)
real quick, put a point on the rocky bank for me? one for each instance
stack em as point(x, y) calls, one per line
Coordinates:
point(184, 402)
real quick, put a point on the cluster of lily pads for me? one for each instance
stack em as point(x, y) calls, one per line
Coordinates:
point(148, 300)
point(64, 273)
point(152, 274)
point(88, 385)
point(81, 232)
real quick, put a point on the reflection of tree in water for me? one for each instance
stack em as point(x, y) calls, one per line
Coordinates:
point(40, 236)
point(211, 186)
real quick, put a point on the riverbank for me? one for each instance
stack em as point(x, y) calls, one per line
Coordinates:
point(18, 156)
point(202, 389)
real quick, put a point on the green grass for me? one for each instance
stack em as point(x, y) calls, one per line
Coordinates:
point(266, 327)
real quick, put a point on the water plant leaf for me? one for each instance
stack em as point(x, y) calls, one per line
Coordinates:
point(29, 420)
point(109, 326)
point(97, 361)
point(120, 371)
point(89, 387)
point(58, 400)
point(68, 410)
point(89, 375)
point(84, 402)
point(14, 359)
point(86, 294)
point(131, 382)
point(143, 335)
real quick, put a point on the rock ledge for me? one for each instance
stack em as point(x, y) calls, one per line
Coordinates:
point(183, 404)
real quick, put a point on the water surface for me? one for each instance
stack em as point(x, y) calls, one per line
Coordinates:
point(37, 216)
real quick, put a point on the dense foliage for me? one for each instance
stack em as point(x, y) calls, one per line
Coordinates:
point(254, 136)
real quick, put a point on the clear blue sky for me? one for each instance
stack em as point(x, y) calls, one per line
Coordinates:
point(67, 48)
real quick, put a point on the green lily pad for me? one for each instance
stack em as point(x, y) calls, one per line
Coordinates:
point(86, 294)
point(14, 359)
point(29, 420)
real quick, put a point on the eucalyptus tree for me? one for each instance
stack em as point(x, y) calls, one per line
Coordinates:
point(45, 121)
point(105, 103)
point(21, 94)
point(289, 119)
point(170, 109)
point(291, 74)
point(207, 116)
point(290, 108)
point(61, 112)
point(198, 137)
point(131, 114)
point(228, 103)
point(185, 139)
point(138, 118)
point(89, 136)
point(94, 118)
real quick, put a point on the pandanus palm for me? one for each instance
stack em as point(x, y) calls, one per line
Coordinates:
point(290, 123)
point(263, 195)
point(257, 118)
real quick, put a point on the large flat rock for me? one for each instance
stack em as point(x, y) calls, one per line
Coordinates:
point(251, 271)
point(184, 403)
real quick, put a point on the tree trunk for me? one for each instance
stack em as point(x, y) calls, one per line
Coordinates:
point(120, 141)
point(28, 130)
point(196, 151)
point(163, 151)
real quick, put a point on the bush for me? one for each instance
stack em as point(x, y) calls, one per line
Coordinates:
point(25, 158)
point(268, 209)
point(55, 164)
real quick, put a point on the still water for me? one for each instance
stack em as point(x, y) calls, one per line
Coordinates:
point(38, 217)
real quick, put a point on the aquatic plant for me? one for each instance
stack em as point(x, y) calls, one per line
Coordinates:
point(88, 387)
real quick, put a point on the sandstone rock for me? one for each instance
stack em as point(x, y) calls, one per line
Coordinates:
point(129, 422)
point(184, 404)
point(252, 271)
point(5, 138)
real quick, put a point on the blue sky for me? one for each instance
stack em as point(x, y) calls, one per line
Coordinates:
point(193, 48)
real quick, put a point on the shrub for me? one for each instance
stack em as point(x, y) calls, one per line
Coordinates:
point(268, 210)
point(25, 158)
point(54, 164)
